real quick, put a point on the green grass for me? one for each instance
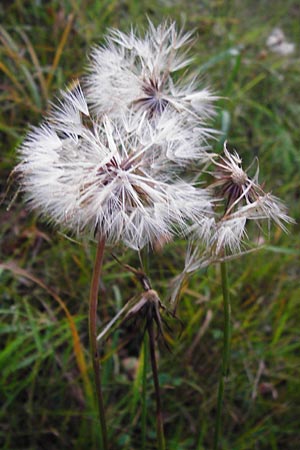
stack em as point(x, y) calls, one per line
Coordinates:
point(45, 368)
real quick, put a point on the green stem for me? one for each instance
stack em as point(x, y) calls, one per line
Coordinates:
point(144, 258)
point(93, 338)
point(226, 350)
point(159, 420)
point(144, 391)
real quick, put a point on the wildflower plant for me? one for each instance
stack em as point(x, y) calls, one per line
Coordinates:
point(111, 162)
point(239, 199)
point(116, 179)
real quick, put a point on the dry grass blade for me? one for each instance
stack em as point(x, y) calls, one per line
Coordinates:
point(59, 49)
point(36, 63)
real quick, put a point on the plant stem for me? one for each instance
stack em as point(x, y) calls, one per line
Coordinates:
point(93, 338)
point(144, 259)
point(144, 391)
point(226, 350)
point(159, 420)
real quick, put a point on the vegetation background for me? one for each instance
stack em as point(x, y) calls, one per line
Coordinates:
point(45, 370)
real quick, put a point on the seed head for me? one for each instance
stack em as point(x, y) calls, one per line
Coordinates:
point(136, 72)
point(244, 199)
point(232, 181)
point(94, 176)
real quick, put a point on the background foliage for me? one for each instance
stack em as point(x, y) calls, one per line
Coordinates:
point(45, 370)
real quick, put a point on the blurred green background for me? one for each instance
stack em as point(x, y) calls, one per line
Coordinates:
point(45, 370)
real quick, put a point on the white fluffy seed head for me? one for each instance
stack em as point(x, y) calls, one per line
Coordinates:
point(243, 200)
point(98, 177)
point(131, 71)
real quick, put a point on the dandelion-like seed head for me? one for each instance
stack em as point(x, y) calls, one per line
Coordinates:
point(97, 177)
point(245, 200)
point(136, 72)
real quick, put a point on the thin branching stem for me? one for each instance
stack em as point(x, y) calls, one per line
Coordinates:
point(226, 350)
point(159, 419)
point(144, 391)
point(93, 338)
